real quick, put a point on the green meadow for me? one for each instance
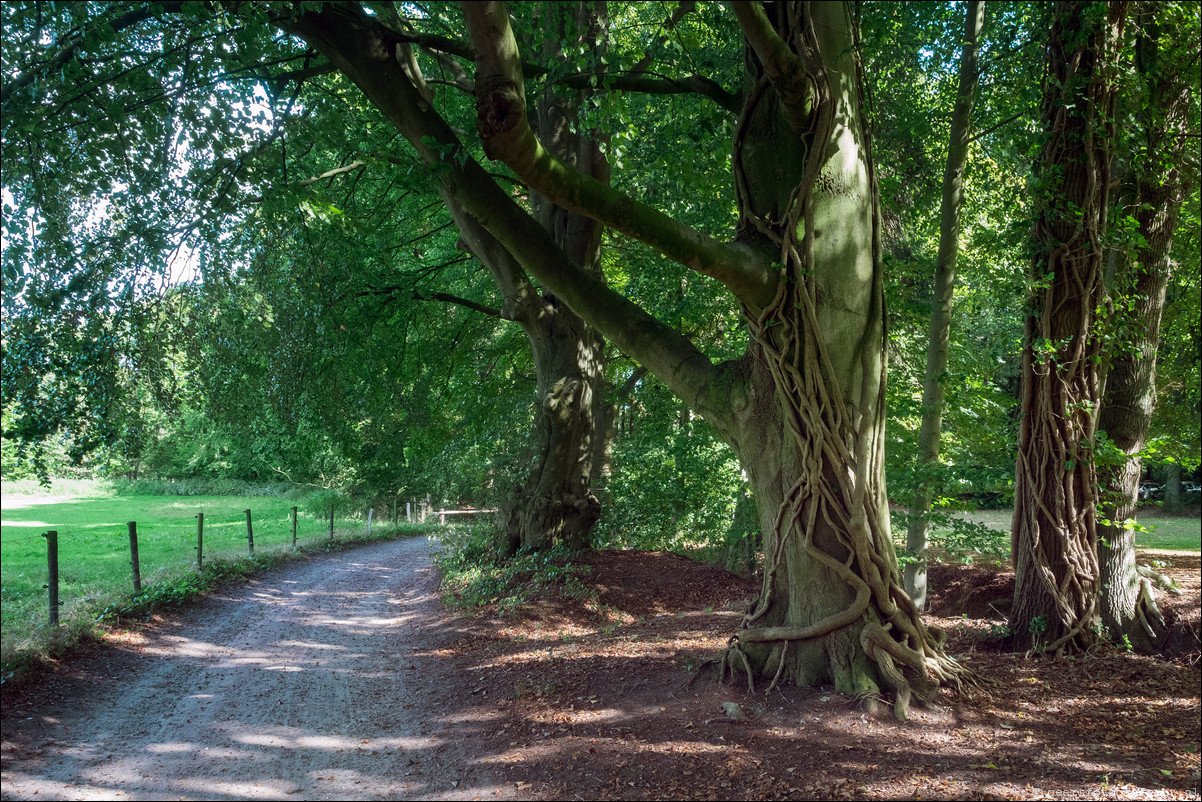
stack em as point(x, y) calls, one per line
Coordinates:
point(1172, 533)
point(94, 553)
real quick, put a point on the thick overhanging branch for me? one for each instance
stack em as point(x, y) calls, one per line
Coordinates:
point(507, 136)
point(370, 61)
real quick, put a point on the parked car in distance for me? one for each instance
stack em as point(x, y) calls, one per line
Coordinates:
point(1191, 487)
point(1149, 489)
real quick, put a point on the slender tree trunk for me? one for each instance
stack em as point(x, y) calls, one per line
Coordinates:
point(609, 424)
point(1172, 488)
point(918, 536)
point(1054, 535)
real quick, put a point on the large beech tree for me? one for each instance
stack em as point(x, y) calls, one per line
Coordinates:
point(803, 407)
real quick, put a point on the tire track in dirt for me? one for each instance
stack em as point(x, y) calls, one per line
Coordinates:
point(323, 680)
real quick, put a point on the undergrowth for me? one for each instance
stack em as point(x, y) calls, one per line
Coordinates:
point(476, 572)
point(958, 540)
point(88, 620)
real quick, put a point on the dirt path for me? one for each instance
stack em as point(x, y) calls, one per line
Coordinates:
point(329, 679)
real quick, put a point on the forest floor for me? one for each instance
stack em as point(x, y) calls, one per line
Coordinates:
point(593, 701)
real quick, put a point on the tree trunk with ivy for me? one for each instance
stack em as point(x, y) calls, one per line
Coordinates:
point(1054, 532)
point(1159, 139)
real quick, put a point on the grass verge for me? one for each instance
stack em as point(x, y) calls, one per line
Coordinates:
point(1173, 533)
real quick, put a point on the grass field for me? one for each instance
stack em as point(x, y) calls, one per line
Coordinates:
point(1165, 532)
point(94, 555)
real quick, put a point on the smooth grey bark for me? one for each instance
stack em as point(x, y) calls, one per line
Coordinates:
point(919, 531)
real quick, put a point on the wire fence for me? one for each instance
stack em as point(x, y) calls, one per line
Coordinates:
point(84, 564)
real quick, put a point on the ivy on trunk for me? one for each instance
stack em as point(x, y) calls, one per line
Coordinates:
point(1054, 533)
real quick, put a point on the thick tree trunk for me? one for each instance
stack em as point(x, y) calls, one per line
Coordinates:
point(809, 426)
point(918, 535)
point(554, 503)
point(1054, 535)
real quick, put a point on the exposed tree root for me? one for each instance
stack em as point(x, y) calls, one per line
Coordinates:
point(1146, 608)
point(1158, 580)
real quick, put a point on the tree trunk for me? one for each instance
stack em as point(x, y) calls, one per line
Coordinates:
point(808, 424)
point(554, 503)
point(1054, 535)
point(1172, 488)
point(1127, 605)
point(918, 536)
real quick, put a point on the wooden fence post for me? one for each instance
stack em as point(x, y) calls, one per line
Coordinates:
point(294, 528)
point(331, 522)
point(250, 535)
point(408, 512)
point(133, 555)
point(52, 570)
point(200, 541)
point(370, 510)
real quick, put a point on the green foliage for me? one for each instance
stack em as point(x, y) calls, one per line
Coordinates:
point(675, 484)
point(476, 572)
point(954, 537)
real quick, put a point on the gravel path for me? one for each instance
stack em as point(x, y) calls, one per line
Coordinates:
point(322, 680)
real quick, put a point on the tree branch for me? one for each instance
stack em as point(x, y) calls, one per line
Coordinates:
point(507, 136)
point(782, 66)
point(370, 61)
point(464, 302)
point(995, 127)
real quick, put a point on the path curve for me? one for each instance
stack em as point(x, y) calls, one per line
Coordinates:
point(321, 680)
